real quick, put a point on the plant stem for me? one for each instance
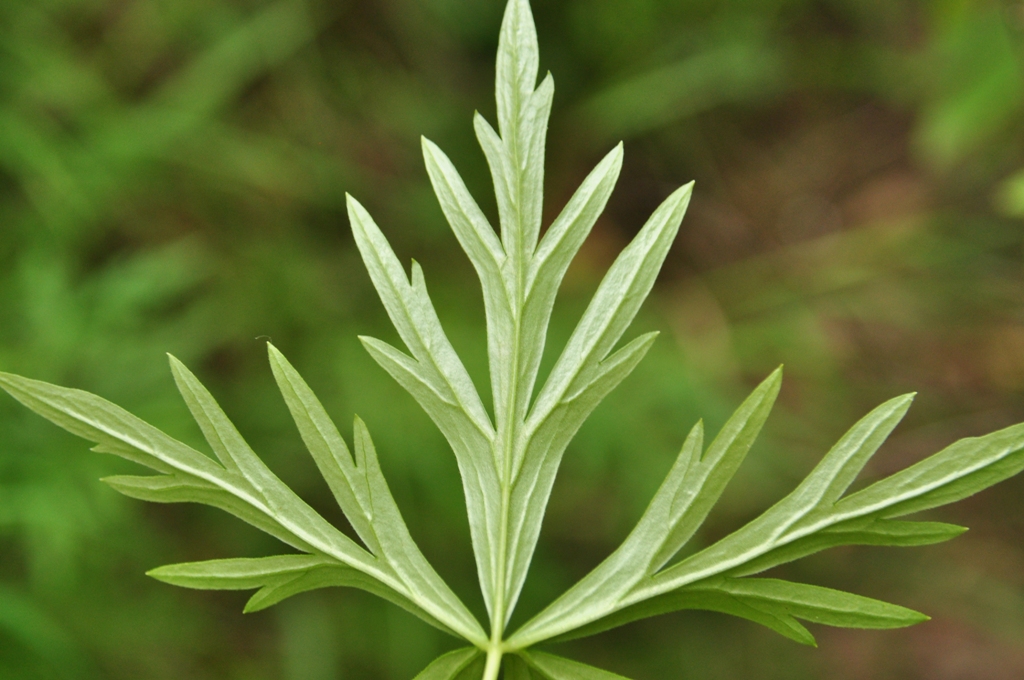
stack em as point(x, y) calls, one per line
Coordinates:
point(494, 653)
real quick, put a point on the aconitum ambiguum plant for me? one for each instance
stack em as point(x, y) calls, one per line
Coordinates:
point(508, 459)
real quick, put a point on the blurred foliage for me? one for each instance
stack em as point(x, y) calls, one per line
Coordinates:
point(172, 176)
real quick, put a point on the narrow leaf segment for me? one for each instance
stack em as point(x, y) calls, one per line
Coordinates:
point(392, 568)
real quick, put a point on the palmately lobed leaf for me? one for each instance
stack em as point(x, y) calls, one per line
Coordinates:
point(692, 487)
point(246, 488)
point(508, 459)
point(773, 603)
point(813, 517)
point(363, 494)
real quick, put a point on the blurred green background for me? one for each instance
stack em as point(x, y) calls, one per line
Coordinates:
point(172, 179)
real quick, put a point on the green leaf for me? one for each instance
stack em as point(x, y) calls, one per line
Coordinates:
point(111, 427)
point(280, 577)
point(453, 665)
point(363, 494)
point(508, 461)
point(862, 531)
point(817, 493)
point(238, 574)
point(560, 244)
point(518, 63)
point(692, 487)
point(773, 603)
point(811, 518)
point(583, 375)
point(554, 667)
point(117, 431)
point(339, 576)
point(436, 378)
point(347, 482)
point(701, 599)
point(249, 491)
point(523, 111)
point(471, 227)
point(567, 233)
point(960, 470)
point(413, 315)
point(694, 498)
point(839, 468)
point(183, 489)
point(956, 472)
point(612, 308)
point(504, 174)
point(488, 257)
point(819, 605)
point(229, 445)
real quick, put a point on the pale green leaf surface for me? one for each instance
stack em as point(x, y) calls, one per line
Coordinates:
point(532, 135)
point(244, 573)
point(570, 229)
point(600, 591)
point(485, 251)
point(116, 430)
point(580, 379)
point(829, 479)
point(225, 438)
point(720, 601)
point(450, 666)
point(958, 471)
point(133, 454)
point(771, 602)
point(556, 250)
point(280, 577)
point(820, 605)
point(179, 489)
point(554, 667)
point(195, 397)
point(690, 490)
point(339, 576)
point(518, 163)
point(861, 531)
point(811, 519)
point(694, 498)
point(196, 478)
point(613, 307)
point(407, 372)
point(479, 476)
point(503, 172)
point(412, 313)
point(402, 553)
point(516, 160)
point(93, 418)
point(467, 220)
point(839, 468)
point(436, 378)
point(330, 453)
point(517, 66)
point(365, 498)
point(532, 487)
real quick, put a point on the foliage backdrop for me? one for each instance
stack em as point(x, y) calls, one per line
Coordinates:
point(172, 179)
